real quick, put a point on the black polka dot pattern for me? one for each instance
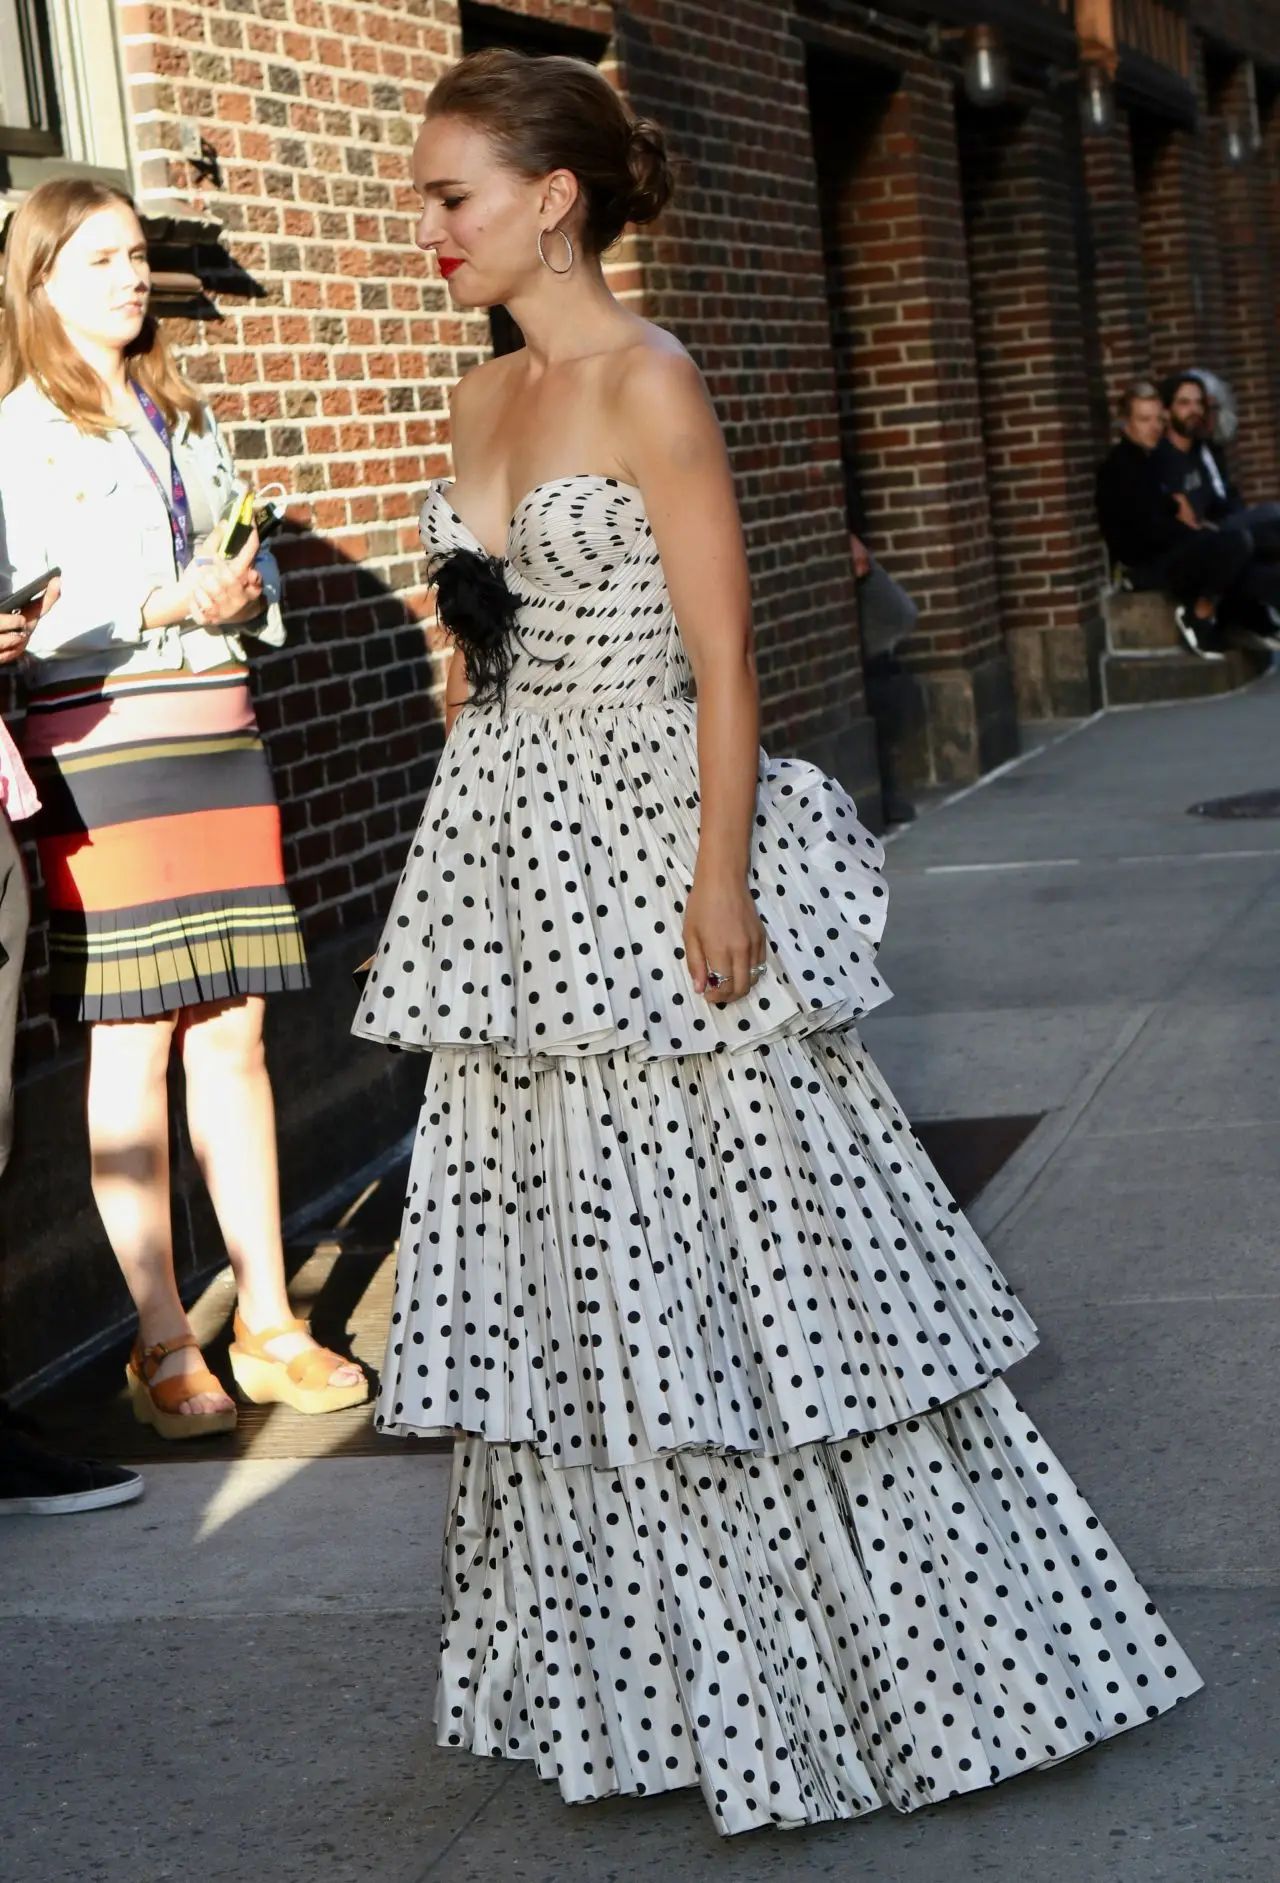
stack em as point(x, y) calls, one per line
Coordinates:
point(615, 1257)
point(740, 1499)
point(895, 1620)
point(541, 906)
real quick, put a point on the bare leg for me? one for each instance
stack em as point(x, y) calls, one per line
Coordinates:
point(231, 1116)
point(129, 1159)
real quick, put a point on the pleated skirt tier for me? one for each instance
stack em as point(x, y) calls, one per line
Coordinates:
point(160, 845)
point(739, 1498)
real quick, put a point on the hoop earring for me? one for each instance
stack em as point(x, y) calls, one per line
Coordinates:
point(542, 253)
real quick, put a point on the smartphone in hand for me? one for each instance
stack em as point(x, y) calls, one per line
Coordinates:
point(236, 527)
point(264, 513)
point(29, 592)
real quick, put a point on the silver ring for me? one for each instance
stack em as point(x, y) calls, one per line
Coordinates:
point(716, 980)
point(760, 968)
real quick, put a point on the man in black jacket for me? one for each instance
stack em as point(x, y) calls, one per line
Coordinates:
point(1154, 536)
point(1187, 464)
point(1191, 462)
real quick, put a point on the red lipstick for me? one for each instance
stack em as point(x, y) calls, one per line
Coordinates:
point(448, 264)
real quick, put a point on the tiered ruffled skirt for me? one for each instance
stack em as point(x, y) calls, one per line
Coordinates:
point(739, 1500)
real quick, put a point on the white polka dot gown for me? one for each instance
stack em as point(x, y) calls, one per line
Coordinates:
point(739, 1498)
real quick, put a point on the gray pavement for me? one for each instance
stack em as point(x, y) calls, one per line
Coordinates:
point(234, 1677)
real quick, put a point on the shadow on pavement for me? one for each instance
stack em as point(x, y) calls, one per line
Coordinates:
point(343, 1280)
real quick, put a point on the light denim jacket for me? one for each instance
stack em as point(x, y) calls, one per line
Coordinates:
point(86, 504)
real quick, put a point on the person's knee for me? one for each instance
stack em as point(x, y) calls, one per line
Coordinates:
point(226, 1040)
point(1235, 552)
point(129, 1056)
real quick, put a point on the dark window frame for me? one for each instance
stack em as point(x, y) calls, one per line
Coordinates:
point(43, 137)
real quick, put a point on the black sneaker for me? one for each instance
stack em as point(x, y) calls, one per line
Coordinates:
point(35, 1482)
point(1187, 624)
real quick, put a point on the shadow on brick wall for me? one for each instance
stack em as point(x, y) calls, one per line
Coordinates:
point(350, 720)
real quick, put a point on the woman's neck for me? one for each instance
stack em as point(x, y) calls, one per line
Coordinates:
point(108, 362)
point(561, 320)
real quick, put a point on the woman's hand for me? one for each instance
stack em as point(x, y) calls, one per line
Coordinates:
point(14, 634)
point(16, 630)
point(219, 593)
point(724, 936)
point(216, 594)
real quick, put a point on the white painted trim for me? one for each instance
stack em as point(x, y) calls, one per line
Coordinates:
point(90, 91)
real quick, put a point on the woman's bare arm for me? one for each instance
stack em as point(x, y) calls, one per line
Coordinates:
point(457, 689)
point(672, 449)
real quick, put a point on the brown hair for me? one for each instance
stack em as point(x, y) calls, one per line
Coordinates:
point(547, 114)
point(33, 342)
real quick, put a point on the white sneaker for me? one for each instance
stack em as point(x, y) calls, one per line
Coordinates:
point(1187, 624)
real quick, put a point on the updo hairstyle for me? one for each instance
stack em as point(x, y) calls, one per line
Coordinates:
point(545, 114)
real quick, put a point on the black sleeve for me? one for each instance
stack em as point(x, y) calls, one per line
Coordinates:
point(1137, 516)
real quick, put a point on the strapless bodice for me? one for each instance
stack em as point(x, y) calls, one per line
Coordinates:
point(595, 620)
point(541, 910)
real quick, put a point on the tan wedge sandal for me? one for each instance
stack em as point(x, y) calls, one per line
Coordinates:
point(159, 1403)
point(302, 1382)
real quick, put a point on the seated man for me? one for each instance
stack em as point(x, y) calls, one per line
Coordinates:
point(1154, 536)
point(1191, 467)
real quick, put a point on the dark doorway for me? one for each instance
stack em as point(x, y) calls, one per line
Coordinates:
point(849, 101)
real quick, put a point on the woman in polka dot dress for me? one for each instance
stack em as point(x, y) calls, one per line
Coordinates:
point(739, 1497)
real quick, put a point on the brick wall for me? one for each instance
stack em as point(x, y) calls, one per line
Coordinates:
point(1040, 445)
point(735, 269)
point(330, 370)
point(329, 365)
point(1120, 308)
point(956, 307)
point(1181, 255)
point(335, 347)
point(899, 283)
point(1249, 285)
point(1251, 25)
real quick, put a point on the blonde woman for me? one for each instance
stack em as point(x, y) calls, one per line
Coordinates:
point(159, 838)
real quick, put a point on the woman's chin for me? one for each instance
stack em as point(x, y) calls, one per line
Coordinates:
point(467, 299)
point(126, 330)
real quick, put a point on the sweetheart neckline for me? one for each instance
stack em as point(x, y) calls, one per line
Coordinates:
point(441, 484)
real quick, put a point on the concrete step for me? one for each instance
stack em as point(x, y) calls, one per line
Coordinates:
point(1142, 679)
point(1136, 623)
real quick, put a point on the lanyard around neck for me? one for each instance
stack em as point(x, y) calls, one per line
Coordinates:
point(175, 502)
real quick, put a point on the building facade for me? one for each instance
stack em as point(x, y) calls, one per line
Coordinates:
point(910, 295)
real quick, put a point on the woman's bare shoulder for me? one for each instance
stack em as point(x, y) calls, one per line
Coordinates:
point(475, 407)
point(480, 384)
point(655, 367)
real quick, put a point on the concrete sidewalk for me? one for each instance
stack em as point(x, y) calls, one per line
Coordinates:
point(234, 1678)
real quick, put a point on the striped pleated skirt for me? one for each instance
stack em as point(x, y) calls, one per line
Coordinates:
point(159, 842)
